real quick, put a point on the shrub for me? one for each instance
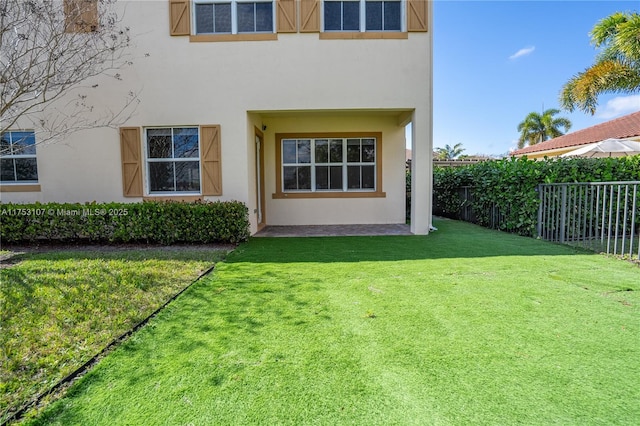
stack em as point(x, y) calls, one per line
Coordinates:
point(149, 222)
point(449, 180)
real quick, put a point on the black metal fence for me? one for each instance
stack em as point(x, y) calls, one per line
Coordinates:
point(600, 216)
point(465, 209)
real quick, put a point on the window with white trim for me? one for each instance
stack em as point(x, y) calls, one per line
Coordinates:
point(233, 17)
point(18, 157)
point(173, 160)
point(383, 15)
point(363, 15)
point(329, 164)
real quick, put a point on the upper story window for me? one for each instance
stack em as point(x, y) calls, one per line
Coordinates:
point(383, 15)
point(18, 157)
point(233, 17)
point(342, 15)
point(173, 160)
point(362, 15)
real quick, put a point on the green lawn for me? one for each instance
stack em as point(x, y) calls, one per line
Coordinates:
point(58, 309)
point(464, 326)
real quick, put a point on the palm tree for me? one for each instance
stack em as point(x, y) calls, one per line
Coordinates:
point(538, 128)
point(449, 152)
point(617, 66)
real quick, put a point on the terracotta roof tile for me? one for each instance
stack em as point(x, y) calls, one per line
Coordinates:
point(623, 127)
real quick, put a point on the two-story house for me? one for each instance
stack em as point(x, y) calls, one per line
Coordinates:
point(297, 108)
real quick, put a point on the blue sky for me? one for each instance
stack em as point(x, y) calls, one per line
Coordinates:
point(497, 61)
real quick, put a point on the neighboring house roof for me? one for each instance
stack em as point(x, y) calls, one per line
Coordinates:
point(624, 127)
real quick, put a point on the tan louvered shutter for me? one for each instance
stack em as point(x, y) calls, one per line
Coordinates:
point(81, 16)
point(210, 157)
point(179, 17)
point(131, 156)
point(417, 15)
point(309, 16)
point(286, 16)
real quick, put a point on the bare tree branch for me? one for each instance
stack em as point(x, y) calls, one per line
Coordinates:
point(48, 49)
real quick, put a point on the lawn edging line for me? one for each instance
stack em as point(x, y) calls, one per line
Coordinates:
point(68, 380)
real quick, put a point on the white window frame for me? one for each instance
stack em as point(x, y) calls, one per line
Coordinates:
point(20, 156)
point(148, 160)
point(344, 164)
point(363, 17)
point(234, 15)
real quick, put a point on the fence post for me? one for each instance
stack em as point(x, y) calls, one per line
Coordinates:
point(563, 212)
point(539, 189)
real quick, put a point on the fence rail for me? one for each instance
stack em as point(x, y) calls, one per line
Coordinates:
point(600, 216)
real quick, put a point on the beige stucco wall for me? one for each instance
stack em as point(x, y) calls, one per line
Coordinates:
point(550, 154)
point(182, 83)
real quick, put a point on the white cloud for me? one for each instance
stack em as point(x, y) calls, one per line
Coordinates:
point(523, 52)
point(620, 105)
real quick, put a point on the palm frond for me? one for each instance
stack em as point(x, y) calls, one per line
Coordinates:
point(627, 40)
point(605, 29)
point(617, 66)
point(583, 89)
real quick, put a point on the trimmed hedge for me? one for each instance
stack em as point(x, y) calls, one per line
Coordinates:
point(510, 185)
point(148, 222)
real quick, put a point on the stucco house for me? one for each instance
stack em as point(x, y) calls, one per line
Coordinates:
point(625, 127)
point(297, 108)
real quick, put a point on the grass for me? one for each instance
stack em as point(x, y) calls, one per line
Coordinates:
point(464, 326)
point(58, 309)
